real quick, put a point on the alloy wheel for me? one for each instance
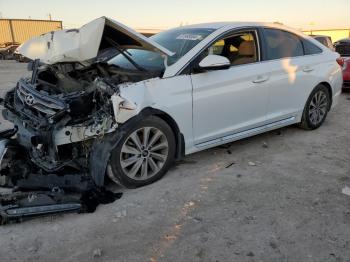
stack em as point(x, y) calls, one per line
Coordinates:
point(144, 153)
point(318, 107)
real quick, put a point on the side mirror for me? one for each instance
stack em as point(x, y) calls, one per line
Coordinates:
point(214, 62)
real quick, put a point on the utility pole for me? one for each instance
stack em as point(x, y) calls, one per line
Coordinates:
point(311, 26)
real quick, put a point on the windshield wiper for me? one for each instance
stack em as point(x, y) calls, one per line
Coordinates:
point(126, 54)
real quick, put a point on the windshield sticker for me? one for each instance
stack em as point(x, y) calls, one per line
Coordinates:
point(189, 37)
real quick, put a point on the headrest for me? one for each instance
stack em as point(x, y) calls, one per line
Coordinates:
point(247, 48)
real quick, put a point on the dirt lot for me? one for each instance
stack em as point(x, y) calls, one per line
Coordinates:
point(280, 199)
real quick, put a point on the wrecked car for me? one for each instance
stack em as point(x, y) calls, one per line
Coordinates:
point(106, 100)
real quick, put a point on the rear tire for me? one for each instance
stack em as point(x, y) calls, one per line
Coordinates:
point(316, 108)
point(144, 154)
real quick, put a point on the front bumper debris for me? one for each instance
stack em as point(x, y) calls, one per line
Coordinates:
point(40, 193)
point(17, 206)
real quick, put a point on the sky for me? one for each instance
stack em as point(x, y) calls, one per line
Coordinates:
point(163, 14)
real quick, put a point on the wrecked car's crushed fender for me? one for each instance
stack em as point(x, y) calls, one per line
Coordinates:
point(123, 109)
point(171, 96)
point(102, 148)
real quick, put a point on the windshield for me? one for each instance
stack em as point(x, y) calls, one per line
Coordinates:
point(179, 41)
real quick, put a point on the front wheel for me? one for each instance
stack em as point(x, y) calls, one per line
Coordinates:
point(316, 108)
point(144, 154)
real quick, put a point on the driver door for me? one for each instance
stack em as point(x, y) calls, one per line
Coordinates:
point(229, 103)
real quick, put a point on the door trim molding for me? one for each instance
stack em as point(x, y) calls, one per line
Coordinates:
point(246, 133)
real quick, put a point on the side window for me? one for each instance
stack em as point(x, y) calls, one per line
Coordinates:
point(322, 40)
point(282, 44)
point(310, 48)
point(239, 48)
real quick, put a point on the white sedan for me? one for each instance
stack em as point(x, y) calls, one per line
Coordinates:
point(193, 88)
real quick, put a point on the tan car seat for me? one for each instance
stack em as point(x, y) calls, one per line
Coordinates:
point(246, 53)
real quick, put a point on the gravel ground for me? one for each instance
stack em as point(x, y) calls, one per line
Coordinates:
point(273, 197)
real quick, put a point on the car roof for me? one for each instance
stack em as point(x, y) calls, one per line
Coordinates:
point(218, 25)
point(220, 29)
point(233, 25)
point(345, 40)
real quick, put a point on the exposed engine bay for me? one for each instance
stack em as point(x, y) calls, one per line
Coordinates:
point(59, 112)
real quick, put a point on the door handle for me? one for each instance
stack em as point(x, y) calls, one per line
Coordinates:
point(308, 69)
point(260, 79)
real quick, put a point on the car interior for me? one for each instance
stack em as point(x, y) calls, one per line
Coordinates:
point(239, 49)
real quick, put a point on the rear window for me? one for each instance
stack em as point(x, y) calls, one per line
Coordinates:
point(322, 40)
point(310, 48)
point(281, 44)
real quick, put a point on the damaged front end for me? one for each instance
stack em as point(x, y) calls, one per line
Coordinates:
point(59, 113)
point(67, 114)
point(55, 117)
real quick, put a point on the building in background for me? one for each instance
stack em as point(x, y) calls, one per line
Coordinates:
point(20, 30)
point(335, 34)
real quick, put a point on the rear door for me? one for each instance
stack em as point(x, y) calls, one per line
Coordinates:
point(291, 74)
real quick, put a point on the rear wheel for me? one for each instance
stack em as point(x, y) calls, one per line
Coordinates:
point(144, 154)
point(316, 108)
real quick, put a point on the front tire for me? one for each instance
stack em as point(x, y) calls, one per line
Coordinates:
point(144, 154)
point(316, 108)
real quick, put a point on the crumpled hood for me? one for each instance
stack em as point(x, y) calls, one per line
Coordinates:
point(77, 45)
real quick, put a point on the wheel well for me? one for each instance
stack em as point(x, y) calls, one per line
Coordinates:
point(326, 84)
point(180, 141)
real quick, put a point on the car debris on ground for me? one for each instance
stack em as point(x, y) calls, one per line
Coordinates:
point(229, 165)
point(346, 191)
point(250, 163)
point(97, 252)
point(42, 195)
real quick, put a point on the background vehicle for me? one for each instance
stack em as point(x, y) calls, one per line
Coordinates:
point(343, 48)
point(112, 100)
point(324, 40)
point(7, 50)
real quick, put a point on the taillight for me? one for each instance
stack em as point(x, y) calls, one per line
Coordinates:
point(341, 61)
